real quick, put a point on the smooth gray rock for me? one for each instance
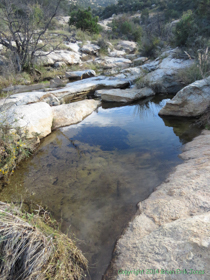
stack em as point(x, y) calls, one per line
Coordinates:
point(163, 79)
point(79, 75)
point(124, 95)
point(83, 87)
point(90, 49)
point(139, 61)
point(127, 46)
point(72, 113)
point(112, 62)
point(191, 101)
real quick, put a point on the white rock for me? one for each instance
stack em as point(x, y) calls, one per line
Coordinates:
point(163, 79)
point(111, 62)
point(90, 49)
point(72, 113)
point(191, 101)
point(32, 119)
point(128, 46)
point(116, 53)
point(66, 56)
point(124, 95)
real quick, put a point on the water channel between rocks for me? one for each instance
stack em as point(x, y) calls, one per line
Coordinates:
point(92, 175)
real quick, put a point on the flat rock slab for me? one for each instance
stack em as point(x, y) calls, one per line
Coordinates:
point(73, 113)
point(26, 88)
point(27, 98)
point(124, 95)
point(88, 85)
point(172, 227)
point(191, 101)
point(79, 75)
point(111, 62)
point(32, 119)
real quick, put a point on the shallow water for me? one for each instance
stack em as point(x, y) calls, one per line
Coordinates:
point(92, 175)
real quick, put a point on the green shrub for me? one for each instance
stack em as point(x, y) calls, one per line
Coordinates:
point(84, 20)
point(125, 28)
point(186, 29)
point(149, 46)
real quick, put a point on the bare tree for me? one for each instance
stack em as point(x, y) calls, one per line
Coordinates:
point(24, 24)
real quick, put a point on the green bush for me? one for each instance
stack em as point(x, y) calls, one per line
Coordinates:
point(84, 20)
point(186, 29)
point(149, 46)
point(125, 28)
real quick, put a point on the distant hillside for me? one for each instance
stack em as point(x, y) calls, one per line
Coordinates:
point(93, 3)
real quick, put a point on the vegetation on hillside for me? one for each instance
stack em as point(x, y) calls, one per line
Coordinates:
point(84, 20)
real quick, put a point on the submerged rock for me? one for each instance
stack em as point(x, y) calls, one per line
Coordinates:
point(72, 113)
point(191, 101)
point(124, 95)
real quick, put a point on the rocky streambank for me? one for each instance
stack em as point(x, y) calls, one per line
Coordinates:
point(169, 238)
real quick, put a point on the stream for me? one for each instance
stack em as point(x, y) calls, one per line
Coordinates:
point(91, 175)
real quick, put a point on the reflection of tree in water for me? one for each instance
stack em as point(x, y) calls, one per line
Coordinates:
point(146, 109)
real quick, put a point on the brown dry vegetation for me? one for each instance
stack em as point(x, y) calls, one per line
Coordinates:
point(32, 247)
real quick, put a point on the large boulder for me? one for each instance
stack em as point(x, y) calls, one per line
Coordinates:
point(163, 79)
point(124, 95)
point(127, 46)
point(72, 113)
point(33, 119)
point(68, 57)
point(171, 228)
point(191, 101)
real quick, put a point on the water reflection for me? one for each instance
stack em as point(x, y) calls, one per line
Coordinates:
point(92, 175)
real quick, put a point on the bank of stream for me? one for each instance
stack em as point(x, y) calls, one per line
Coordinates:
point(91, 175)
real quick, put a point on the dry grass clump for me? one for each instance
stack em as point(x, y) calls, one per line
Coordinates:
point(32, 247)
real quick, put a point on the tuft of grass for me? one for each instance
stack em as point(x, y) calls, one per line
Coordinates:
point(14, 147)
point(189, 74)
point(32, 247)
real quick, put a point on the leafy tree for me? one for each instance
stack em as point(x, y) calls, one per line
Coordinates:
point(84, 20)
point(25, 23)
